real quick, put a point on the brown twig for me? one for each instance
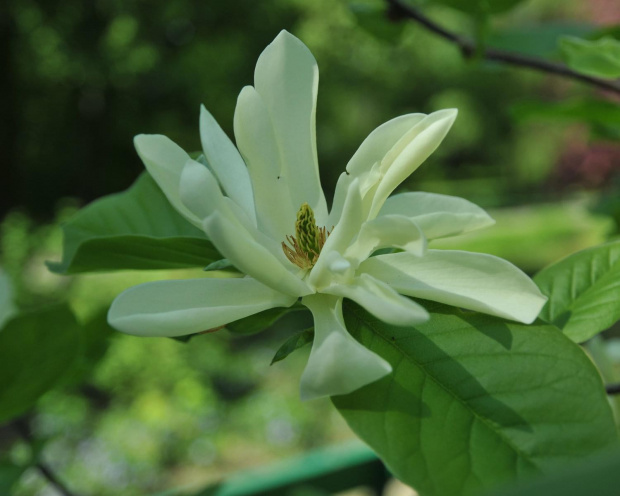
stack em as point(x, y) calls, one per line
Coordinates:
point(399, 10)
point(22, 428)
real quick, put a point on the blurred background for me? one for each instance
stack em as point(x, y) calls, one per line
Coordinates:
point(79, 79)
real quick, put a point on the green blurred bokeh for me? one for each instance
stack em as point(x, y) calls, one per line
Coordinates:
point(80, 79)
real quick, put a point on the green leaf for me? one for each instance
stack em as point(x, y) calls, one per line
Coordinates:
point(540, 40)
point(598, 476)
point(583, 291)
point(475, 401)
point(600, 58)
point(137, 229)
point(294, 342)
point(260, 321)
point(36, 350)
point(592, 111)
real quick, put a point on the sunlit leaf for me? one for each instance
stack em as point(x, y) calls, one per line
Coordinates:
point(600, 58)
point(36, 351)
point(293, 343)
point(475, 401)
point(583, 291)
point(136, 229)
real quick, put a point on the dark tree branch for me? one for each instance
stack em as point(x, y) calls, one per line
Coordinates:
point(399, 10)
point(612, 388)
point(22, 428)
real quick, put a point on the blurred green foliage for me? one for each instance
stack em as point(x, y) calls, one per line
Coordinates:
point(80, 79)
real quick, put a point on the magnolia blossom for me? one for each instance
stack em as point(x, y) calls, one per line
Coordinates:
point(263, 208)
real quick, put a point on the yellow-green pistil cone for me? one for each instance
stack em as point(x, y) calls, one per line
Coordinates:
point(305, 247)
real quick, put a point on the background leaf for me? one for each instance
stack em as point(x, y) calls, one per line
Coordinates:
point(482, 7)
point(36, 350)
point(475, 400)
point(600, 58)
point(7, 307)
point(583, 291)
point(261, 321)
point(137, 229)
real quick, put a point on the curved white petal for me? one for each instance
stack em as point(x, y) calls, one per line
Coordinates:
point(287, 78)
point(475, 281)
point(438, 216)
point(381, 301)
point(338, 364)
point(379, 142)
point(164, 160)
point(251, 257)
point(226, 163)
point(388, 231)
point(275, 212)
point(409, 153)
point(370, 153)
point(175, 308)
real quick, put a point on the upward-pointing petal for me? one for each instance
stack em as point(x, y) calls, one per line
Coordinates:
point(226, 163)
point(286, 77)
point(164, 160)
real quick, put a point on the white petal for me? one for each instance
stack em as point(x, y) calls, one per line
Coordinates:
point(438, 216)
point(338, 364)
point(175, 308)
point(388, 231)
point(226, 163)
point(378, 143)
point(409, 153)
point(164, 160)
point(287, 78)
point(370, 153)
point(201, 194)
point(474, 281)
point(340, 238)
point(381, 301)
point(275, 212)
point(251, 257)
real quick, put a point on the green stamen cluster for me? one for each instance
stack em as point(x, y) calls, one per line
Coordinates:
point(305, 247)
point(306, 231)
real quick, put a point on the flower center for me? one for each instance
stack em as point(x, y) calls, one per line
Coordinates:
point(305, 247)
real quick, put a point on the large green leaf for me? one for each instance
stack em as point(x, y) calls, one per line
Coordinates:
point(137, 229)
point(583, 291)
point(600, 58)
point(36, 350)
point(599, 476)
point(474, 400)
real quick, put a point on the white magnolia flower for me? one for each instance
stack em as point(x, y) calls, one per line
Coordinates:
point(264, 210)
